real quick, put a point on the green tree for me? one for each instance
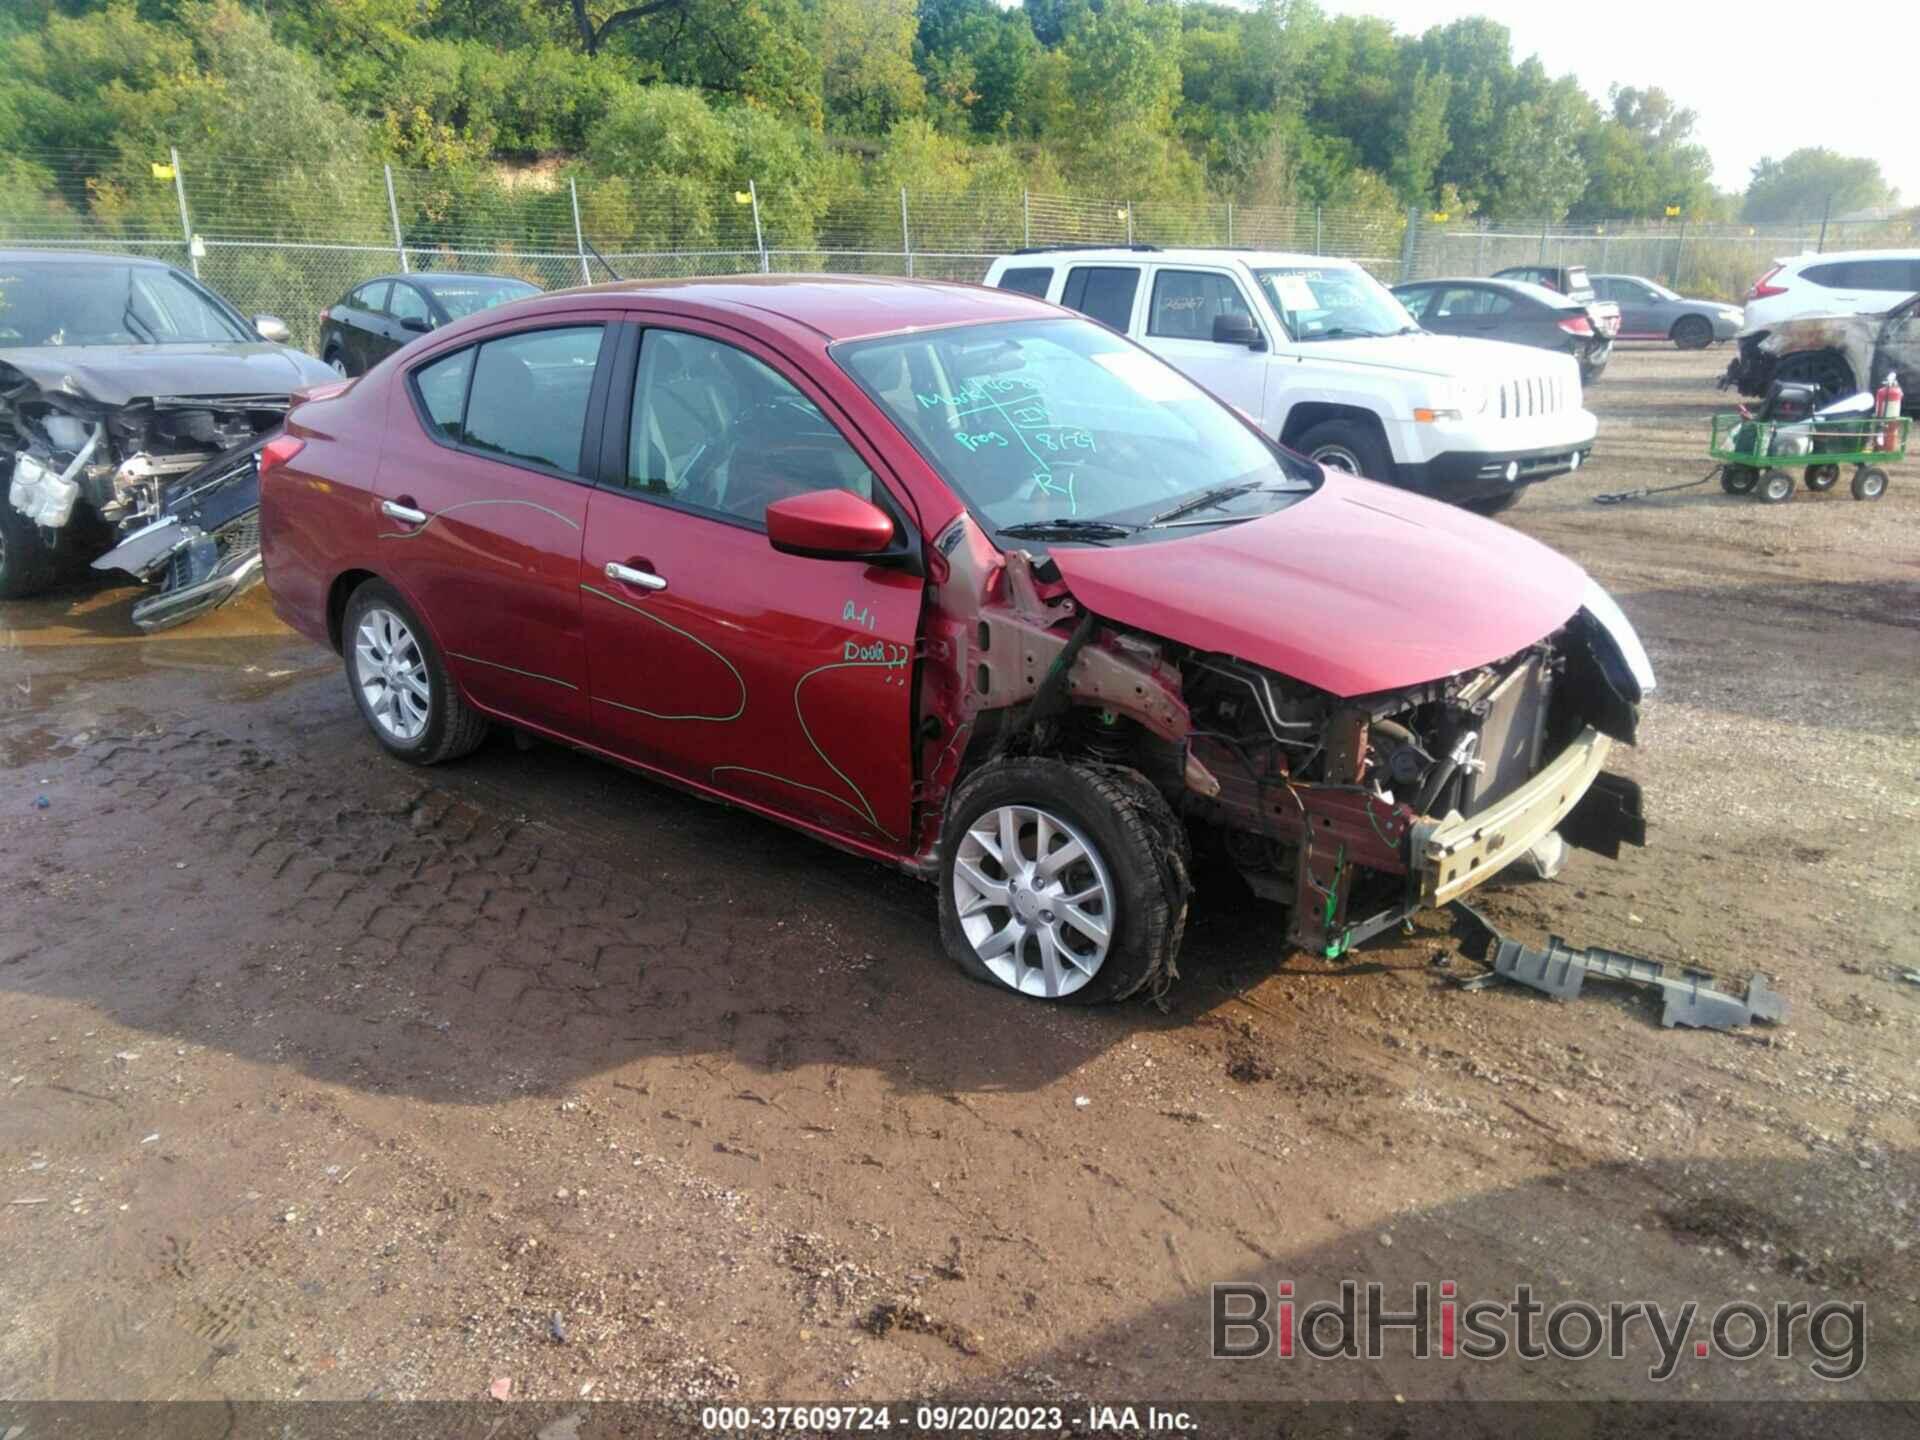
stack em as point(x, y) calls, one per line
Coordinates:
point(1813, 181)
point(868, 78)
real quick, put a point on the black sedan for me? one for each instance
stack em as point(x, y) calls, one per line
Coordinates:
point(1512, 310)
point(373, 320)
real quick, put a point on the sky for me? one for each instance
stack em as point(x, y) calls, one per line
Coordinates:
point(1764, 77)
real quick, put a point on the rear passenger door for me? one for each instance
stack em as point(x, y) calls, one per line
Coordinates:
point(1181, 308)
point(1107, 293)
point(365, 312)
point(483, 503)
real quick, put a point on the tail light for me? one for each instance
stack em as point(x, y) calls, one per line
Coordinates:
point(326, 313)
point(1577, 325)
point(278, 451)
point(1763, 287)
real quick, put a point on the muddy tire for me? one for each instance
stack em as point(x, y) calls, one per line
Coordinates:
point(400, 683)
point(28, 564)
point(1693, 332)
point(1821, 477)
point(1349, 446)
point(1091, 903)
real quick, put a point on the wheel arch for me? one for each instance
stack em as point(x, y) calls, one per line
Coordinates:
point(338, 594)
point(1309, 413)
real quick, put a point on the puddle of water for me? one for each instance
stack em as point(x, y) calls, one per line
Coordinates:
point(100, 612)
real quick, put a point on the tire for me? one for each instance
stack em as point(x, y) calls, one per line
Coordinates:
point(1693, 332)
point(411, 704)
point(1738, 479)
point(338, 362)
point(1493, 504)
point(28, 564)
point(1775, 486)
point(1133, 852)
point(1869, 483)
point(1349, 446)
point(1827, 371)
point(1821, 477)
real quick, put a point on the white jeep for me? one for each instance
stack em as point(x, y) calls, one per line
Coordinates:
point(1327, 361)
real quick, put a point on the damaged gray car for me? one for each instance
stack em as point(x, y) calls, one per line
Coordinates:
point(1838, 354)
point(133, 405)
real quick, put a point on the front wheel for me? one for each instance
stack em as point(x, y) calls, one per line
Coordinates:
point(401, 684)
point(1738, 479)
point(1822, 477)
point(1063, 882)
point(1349, 446)
point(1869, 483)
point(1775, 486)
point(1693, 332)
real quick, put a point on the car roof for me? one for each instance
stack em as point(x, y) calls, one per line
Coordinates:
point(834, 307)
point(1189, 255)
point(83, 257)
point(434, 279)
point(1812, 257)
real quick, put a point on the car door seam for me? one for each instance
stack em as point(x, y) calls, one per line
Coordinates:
point(738, 678)
point(513, 669)
point(421, 528)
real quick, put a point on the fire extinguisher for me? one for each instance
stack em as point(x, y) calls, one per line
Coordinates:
point(1886, 405)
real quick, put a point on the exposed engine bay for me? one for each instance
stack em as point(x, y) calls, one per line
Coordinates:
point(166, 485)
point(1354, 812)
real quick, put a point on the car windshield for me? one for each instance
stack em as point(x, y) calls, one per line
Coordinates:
point(1333, 302)
point(468, 295)
point(1057, 426)
point(49, 303)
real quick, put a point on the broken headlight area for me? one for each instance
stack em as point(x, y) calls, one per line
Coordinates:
point(166, 486)
point(1355, 813)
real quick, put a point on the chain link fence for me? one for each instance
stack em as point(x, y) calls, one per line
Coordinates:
point(277, 241)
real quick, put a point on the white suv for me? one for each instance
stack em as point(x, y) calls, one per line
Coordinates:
point(1327, 361)
point(1840, 282)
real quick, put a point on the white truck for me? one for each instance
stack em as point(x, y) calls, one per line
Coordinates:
point(1329, 363)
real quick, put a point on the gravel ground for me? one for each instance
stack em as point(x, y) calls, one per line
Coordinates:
point(325, 1078)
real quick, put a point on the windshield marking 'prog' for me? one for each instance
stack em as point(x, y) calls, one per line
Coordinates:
point(1030, 423)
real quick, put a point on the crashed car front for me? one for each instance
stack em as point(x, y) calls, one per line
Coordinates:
point(132, 407)
point(1834, 352)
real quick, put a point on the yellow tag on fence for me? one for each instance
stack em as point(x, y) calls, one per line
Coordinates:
point(162, 172)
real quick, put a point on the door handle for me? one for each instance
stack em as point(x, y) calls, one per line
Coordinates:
point(627, 575)
point(397, 511)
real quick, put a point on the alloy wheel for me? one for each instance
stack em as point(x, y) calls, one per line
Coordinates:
point(1034, 900)
point(391, 670)
point(1338, 457)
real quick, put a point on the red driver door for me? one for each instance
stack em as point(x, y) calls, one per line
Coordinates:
point(784, 682)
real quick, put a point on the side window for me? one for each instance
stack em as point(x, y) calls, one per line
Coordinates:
point(528, 399)
point(1029, 280)
point(1834, 275)
point(1185, 303)
point(1103, 293)
point(370, 297)
point(1462, 301)
point(443, 390)
point(408, 303)
point(1879, 275)
point(1416, 301)
point(716, 430)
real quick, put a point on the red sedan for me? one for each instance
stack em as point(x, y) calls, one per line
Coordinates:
point(960, 581)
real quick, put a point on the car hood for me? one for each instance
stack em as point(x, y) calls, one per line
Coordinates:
point(1440, 355)
point(1355, 589)
point(115, 374)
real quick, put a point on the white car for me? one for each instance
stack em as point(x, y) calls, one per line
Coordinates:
point(1840, 282)
point(1323, 358)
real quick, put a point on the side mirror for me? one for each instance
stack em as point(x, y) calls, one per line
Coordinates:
point(419, 324)
point(829, 525)
point(272, 328)
point(1235, 328)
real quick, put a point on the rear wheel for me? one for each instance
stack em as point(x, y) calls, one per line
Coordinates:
point(1350, 446)
point(1738, 479)
point(1775, 487)
point(336, 361)
point(1692, 332)
point(1869, 483)
point(1822, 477)
point(1063, 882)
point(28, 564)
point(401, 684)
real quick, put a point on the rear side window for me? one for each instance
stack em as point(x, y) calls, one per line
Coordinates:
point(370, 297)
point(1901, 275)
point(443, 391)
point(1186, 303)
point(1028, 280)
point(1833, 274)
point(1465, 300)
point(526, 399)
point(1103, 293)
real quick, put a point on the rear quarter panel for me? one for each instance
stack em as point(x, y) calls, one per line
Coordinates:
point(317, 512)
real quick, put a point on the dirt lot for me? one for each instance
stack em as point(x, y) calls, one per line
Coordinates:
point(328, 1078)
